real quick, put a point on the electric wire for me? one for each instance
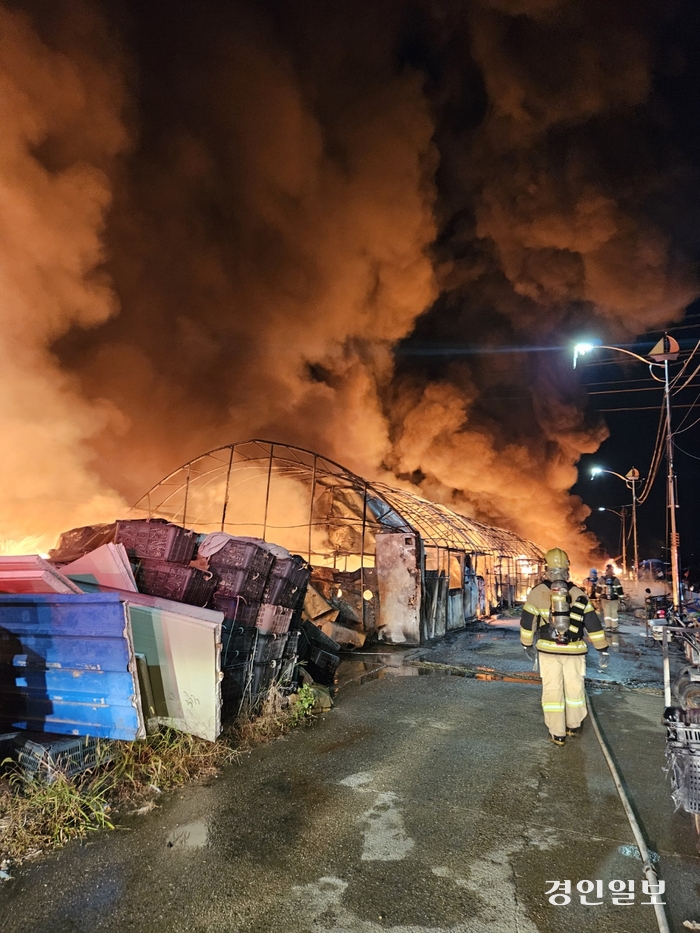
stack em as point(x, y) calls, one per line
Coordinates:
point(688, 427)
point(676, 447)
point(688, 380)
point(623, 391)
point(677, 377)
point(685, 416)
point(636, 407)
point(659, 444)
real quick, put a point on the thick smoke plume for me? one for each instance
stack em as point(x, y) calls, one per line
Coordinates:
point(61, 132)
point(306, 199)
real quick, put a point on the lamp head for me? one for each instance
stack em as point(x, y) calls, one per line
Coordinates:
point(581, 349)
point(595, 471)
point(601, 508)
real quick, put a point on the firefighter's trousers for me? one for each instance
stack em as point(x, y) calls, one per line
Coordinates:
point(610, 607)
point(563, 694)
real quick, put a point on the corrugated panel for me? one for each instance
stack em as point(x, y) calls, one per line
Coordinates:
point(67, 666)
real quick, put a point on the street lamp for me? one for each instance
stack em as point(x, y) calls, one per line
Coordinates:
point(631, 478)
point(622, 515)
point(666, 349)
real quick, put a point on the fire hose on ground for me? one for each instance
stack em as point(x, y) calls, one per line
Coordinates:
point(647, 867)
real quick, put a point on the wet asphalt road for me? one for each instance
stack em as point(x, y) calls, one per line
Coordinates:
point(420, 803)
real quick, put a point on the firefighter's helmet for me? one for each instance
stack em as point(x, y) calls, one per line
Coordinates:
point(556, 559)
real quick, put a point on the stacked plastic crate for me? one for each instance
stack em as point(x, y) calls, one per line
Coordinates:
point(321, 653)
point(163, 552)
point(258, 594)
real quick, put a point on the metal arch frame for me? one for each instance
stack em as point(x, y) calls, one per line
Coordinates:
point(437, 525)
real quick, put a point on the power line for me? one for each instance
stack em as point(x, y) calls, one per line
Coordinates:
point(645, 408)
point(614, 382)
point(655, 457)
point(686, 452)
point(624, 391)
point(688, 427)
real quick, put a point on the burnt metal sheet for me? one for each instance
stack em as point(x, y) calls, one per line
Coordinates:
point(67, 666)
point(455, 610)
point(398, 578)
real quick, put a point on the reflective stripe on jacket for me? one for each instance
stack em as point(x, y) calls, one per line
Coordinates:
point(535, 616)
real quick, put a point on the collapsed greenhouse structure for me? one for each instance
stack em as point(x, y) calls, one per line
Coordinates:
point(386, 563)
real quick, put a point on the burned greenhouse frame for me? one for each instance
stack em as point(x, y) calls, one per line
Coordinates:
point(387, 562)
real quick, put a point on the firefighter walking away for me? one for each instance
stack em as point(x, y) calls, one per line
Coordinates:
point(611, 594)
point(554, 618)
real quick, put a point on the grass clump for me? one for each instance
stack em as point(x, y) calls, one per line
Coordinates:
point(36, 815)
point(164, 760)
point(276, 715)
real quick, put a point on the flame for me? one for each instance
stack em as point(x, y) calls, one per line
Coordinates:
point(30, 544)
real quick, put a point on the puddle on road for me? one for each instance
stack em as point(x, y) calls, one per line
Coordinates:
point(633, 665)
point(189, 836)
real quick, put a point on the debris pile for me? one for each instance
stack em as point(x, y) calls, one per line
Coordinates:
point(144, 623)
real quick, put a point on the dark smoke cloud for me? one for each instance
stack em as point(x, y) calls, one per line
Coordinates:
point(309, 186)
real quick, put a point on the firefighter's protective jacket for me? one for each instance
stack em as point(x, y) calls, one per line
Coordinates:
point(535, 620)
point(611, 588)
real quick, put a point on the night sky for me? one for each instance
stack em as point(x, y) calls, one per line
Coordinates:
point(372, 229)
point(631, 443)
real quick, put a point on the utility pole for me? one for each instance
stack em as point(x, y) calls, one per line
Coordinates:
point(667, 349)
point(632, 479)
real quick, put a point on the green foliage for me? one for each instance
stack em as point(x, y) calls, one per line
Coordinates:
point(303, 705)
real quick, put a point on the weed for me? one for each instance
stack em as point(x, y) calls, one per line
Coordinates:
point(304, 701)
point(277, 714)
point(164, 760)
point(35, 814)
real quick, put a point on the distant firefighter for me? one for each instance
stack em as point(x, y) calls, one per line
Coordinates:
point(554, 618)
point(610, 594)
point(591, 585)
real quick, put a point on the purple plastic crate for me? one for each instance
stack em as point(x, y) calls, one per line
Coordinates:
point(248, 586)
point(237, 610)
point(156, 539)
point(175, 581)
point(292, 647)
point(282, 592)
point(242, 555)
point(322, 665)
point(295, 569)
point(237, 644)
point(274, 619)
